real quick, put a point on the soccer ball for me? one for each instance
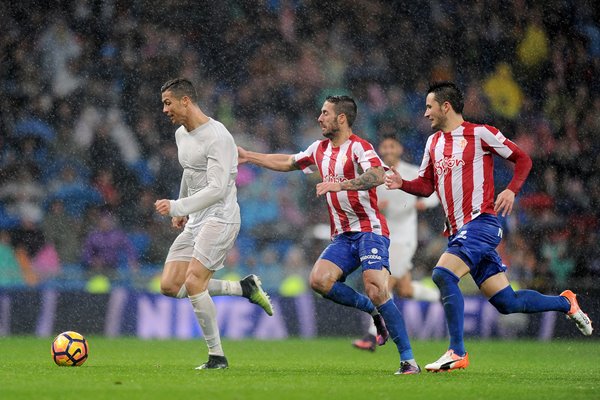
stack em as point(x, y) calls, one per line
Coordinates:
point(69, 349)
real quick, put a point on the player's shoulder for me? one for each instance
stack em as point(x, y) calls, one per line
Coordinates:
point(481, 128)
point(354, 138)
point(179, 132)
point(219, 131)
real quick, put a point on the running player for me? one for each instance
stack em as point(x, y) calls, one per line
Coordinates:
point(208, 195)
point(359, 232)
point(400, 209)
point(458, 165)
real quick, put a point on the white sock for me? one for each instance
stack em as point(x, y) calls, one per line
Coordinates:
point(219, 287)
point(182, 292)
point(372, 329)
point(206, 314)
point(425, 293)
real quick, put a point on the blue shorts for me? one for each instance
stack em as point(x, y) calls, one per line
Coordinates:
point(350, 250)
point(475, 243)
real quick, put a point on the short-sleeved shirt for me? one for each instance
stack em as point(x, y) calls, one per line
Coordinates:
point(460, 163)
point(351, 210)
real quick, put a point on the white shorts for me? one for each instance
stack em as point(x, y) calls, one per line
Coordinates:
point(209, 246)
point(401, 255)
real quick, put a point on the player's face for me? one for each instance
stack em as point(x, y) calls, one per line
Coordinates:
point(434, 112)
point(391, 151)
point(173, 107)
point(328, 121)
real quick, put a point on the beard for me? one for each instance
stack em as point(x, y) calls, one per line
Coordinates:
point(437, 125)
point(332, 131)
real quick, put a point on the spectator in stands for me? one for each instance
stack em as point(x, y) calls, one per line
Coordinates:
point(107, 250)
point(10, 270)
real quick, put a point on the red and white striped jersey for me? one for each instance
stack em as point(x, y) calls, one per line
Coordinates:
point(352, 210)
point(460, 164)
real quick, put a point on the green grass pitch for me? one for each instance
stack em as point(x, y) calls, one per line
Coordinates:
point(298, 369)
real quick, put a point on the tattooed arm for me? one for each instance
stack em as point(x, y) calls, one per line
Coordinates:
point(369, 179)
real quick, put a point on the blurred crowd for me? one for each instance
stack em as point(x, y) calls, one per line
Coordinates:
point(85, 150)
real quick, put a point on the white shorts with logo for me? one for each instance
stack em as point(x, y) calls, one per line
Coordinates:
point(209, 246)
point(401, 255)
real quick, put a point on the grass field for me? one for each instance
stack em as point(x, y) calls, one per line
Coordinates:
point(297, 369)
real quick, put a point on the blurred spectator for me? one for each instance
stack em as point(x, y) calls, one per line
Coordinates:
point(503, 92)
point(23, 195)
point(107, 249)
point(63, 231)
point(37, 258)
point(10, 270)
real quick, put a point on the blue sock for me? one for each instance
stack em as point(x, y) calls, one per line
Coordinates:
point(345, 295)
point(395, 325)
point(507, 301)
point(454, 307)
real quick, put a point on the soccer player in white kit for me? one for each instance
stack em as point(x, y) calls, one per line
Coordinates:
point(400, 210)
point(208, 212)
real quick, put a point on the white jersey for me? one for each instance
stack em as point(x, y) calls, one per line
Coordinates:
point(400, 211)
point(208, 155)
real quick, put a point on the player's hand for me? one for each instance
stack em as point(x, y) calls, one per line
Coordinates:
point(504, 202)
point(324, 187)
point(393, 180)
point(179, 222)
point(242, 155)
point(162, 206)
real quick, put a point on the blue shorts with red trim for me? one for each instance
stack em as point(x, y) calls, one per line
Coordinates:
point(350, 250)
point(475, 243)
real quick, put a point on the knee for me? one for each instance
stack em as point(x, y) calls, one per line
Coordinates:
point(403, 290)
point(505, 301)
point(442, 277)
point(378, 294)
point(321, 282)
point(168, 289)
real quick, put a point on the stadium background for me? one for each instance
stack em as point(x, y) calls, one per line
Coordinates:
point(85, 149)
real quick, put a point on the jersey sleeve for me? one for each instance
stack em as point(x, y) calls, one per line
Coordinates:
point(495, 142)
point(222, 154)
point(306, 159)
point(367, 157)
point(423, 185)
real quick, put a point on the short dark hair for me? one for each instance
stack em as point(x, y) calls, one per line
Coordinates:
point(448, 91)
point(344, 105)
point(180, 87)
point(391, 136)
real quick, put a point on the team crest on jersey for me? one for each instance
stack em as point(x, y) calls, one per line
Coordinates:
point(463, 143)
point(446, 164)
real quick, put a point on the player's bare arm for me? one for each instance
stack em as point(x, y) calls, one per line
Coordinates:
point(369, 179)
point(276, 162)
